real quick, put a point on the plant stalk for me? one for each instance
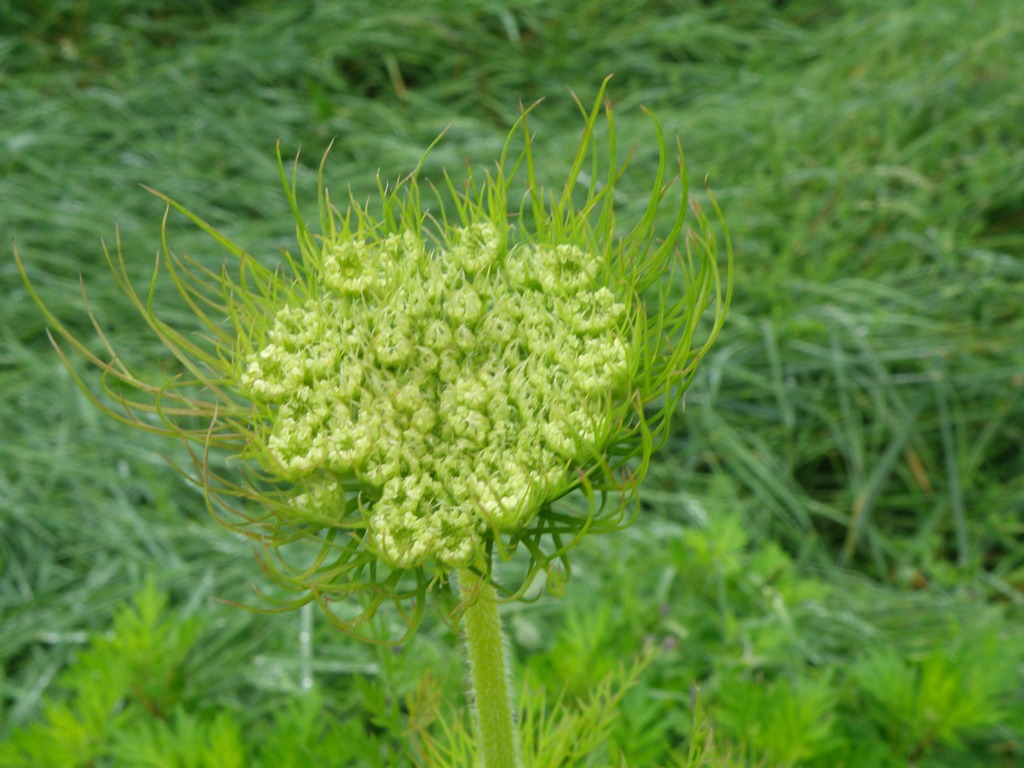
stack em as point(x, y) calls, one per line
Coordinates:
point(488, 674)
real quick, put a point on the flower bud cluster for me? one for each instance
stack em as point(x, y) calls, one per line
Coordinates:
point(457, 386)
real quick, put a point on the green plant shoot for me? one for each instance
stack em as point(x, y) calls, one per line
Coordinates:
point(418, 387)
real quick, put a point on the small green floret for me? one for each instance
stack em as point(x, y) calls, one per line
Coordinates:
point(459, 384)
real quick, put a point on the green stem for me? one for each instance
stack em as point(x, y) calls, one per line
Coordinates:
point(488, 674)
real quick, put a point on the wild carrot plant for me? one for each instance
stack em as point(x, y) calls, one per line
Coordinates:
point(429, 388)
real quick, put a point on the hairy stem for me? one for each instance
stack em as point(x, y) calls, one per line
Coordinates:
point(489, 681)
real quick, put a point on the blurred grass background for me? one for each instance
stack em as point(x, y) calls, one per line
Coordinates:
point(850, 472)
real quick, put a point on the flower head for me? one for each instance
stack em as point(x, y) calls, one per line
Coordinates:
point(446, 451)
point(414, 393)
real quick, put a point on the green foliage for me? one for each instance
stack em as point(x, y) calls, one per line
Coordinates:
point(703, 751)
point(956, 691)
point(133, 698)
point(556, 732)
point(762, 666)
point(785, 723)
point(136, 673)
point(848, 477)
